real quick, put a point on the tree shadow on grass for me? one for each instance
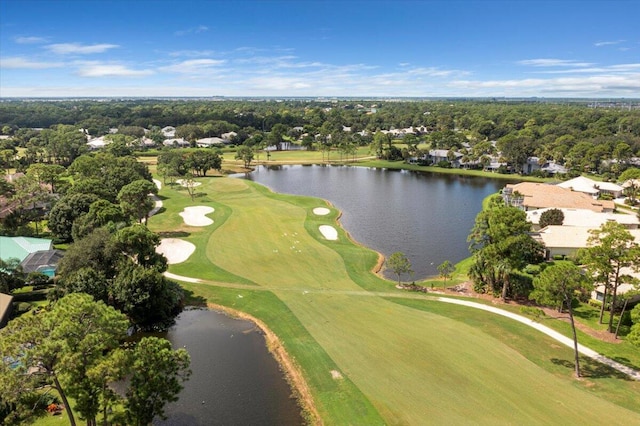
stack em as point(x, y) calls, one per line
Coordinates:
point(593, 369)
point(174, 234)
point(190, 299)
point(586, 314)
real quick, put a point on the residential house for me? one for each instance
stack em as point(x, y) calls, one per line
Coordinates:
point(567, 240)
point(533, 196)
point(228, 137)
point(592, 187)
point(169, 132)
point(98, 143)
point(179, 142)
point(531, 165)
point(553, 168)
point(436, 156)
point(34, 254)
point(585, 218)
point(210, 142)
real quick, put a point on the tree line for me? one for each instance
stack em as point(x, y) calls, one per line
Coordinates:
point(577, 135)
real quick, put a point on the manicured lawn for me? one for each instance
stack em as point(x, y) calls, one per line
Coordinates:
point(404, 360)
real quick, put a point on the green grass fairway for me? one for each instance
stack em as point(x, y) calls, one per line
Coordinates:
point(404, 359)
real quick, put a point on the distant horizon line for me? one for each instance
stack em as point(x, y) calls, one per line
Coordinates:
point(322, 98)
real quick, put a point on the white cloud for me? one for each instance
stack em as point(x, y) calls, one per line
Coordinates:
point(582, 86)
point(608, 43)
point(194, 66)
point(191, 53)
point(79, 49)
point(24, 63)
point(194, 30)
point(30, 40)
point(110, 70)
point(554, 63)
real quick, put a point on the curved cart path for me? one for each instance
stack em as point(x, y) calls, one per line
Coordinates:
point(634, 374)
point(157, 199)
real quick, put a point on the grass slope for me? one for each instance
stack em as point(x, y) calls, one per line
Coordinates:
point(406, 363)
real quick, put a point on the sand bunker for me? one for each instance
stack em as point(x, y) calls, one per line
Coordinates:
point(175, 250)
point(329, 232)
point(183, 183)
point(321, 211)
point(195, 215)
point(335, 375)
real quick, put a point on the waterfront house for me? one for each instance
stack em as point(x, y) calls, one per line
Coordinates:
point(533, 196)
point(592, 187)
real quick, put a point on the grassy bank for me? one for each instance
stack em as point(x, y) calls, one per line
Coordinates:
point(400, 361)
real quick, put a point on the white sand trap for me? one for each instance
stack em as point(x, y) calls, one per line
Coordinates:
point(195, 215)
point(175, 250)
point(335, 375)
point(182, 182)
point(321, 211)
point(329, 232)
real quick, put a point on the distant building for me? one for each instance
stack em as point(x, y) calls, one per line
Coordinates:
point(169, 132)
point(209, 142)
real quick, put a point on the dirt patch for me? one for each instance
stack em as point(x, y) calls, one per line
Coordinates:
point(336, 375)
point(291, 370)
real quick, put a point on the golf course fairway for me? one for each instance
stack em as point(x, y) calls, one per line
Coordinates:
point(369, 353)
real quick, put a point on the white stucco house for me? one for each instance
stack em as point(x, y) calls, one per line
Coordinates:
point(592, 187)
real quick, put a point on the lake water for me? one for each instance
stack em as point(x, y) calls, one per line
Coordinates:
point(235, 379)
point(427, 216)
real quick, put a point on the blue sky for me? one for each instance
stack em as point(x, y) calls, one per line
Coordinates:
point(516, 48)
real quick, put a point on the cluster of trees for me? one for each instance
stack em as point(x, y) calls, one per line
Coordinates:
point(110, 280)
point(77, 349)
point(611, 254)
point(114, 189)
point(180, 163)
point(578, 135)
point(123, 270)
point(99, 203)
point(501, 246)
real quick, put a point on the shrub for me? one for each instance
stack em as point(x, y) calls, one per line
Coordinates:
point(521, 285)
point(22, 307)
point(595, 303)
point(531, 311)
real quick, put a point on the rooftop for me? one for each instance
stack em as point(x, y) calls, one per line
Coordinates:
point(20, 247)
point(587, 218)
point(541, 195)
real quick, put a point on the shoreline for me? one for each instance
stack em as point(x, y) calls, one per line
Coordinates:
point(292, 372)
point(377, 269)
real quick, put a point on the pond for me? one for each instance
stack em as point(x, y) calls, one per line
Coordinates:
point(427, 216)
point(235, 380)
